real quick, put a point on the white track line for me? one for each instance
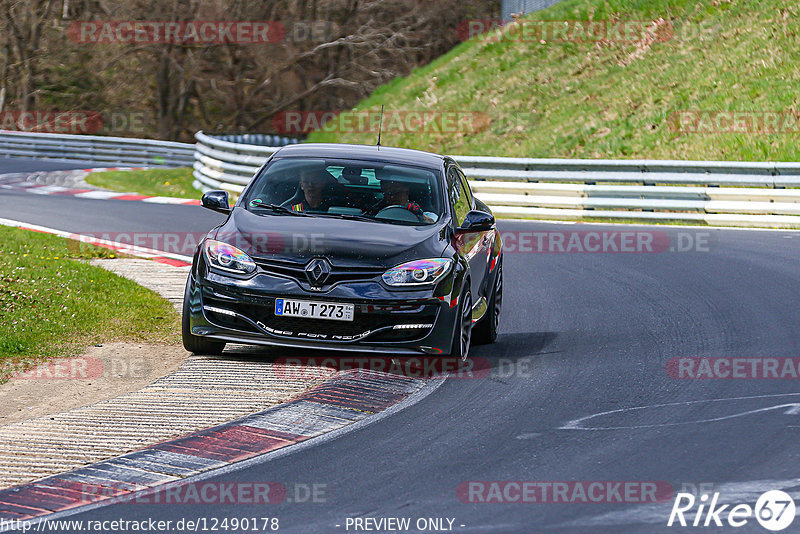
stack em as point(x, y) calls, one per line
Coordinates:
point(99, 194)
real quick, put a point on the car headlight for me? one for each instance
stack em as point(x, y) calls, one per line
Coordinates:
point(228, 258)
point(418, 272)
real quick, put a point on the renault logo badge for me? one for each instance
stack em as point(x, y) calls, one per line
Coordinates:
point(317, 271)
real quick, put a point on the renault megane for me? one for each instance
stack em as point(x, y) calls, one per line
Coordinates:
point(348, 247)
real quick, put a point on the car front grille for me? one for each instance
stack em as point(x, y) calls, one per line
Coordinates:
point(338, 274)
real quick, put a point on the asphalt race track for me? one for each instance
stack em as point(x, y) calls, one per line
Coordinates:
point(8, 165)
point(81, 215)
point(582, 334)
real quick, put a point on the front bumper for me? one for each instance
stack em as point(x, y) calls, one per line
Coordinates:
point(395, 322)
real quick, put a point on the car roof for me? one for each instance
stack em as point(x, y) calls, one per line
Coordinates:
point(384, 154)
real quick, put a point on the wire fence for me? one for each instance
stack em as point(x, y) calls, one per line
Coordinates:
point(513, 7)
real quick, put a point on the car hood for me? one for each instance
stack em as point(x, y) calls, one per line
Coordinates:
point(344, 242)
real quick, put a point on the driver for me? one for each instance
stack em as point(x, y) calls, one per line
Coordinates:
point(395, 193)
point(313, 195)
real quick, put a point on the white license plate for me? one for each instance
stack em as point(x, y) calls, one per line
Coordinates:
point(314, 310)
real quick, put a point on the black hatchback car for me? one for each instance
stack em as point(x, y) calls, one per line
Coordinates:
point(348, 247)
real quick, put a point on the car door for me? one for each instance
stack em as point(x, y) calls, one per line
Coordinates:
point(471, 245)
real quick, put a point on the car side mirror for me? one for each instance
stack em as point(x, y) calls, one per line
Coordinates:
point(477, 221)
point(216, 200)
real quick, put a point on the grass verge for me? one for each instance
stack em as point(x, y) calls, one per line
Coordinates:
point(152, 182)
point(53, 303)
point(590, 98)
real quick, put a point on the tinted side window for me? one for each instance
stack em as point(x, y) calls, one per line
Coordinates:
point(459, 197)
point(465, 185)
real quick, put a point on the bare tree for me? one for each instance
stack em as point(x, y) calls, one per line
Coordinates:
point(333, 54)
point(23, 22)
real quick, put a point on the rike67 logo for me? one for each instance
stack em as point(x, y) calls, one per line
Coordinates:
point(774, 510)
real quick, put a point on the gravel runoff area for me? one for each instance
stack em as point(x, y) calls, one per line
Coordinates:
point(120, 397)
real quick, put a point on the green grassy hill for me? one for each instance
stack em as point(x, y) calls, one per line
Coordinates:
point(616, 99)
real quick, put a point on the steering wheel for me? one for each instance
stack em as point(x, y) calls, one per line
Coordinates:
point(397, 213)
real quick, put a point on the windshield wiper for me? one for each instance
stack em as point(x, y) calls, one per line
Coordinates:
point(275, 208)
point(348, 216)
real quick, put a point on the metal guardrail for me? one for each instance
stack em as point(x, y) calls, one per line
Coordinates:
point(644, 172)
point(712, 192)
point(256, 139)
point(117, 151)
point(223, 162)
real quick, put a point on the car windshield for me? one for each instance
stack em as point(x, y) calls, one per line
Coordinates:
point(363, 190)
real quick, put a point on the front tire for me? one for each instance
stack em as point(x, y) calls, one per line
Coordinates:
point(486, 331)
point(462, 334)
point(196, 344)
